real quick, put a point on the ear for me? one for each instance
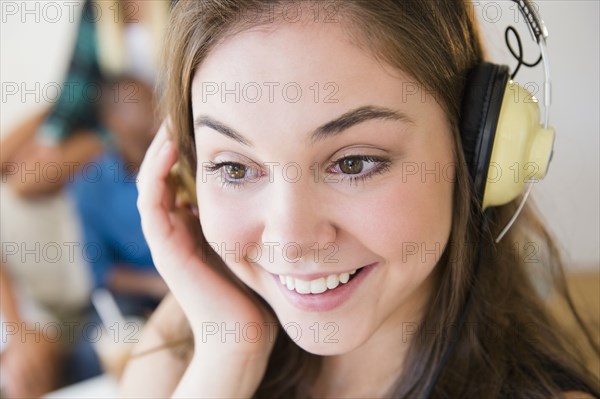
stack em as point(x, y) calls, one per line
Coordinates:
point(185, 186)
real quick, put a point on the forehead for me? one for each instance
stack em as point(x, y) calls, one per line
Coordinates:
point(296, 77)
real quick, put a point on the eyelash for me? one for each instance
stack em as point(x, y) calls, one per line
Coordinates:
point(384, 166)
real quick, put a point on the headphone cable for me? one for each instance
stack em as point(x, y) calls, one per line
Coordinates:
point(520, 55)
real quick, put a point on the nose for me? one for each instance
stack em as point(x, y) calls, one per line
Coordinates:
point(297, 224)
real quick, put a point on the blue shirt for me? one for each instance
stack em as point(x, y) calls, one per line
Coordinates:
point(105, 194)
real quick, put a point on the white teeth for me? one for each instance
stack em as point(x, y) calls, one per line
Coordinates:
point(316, 286)
point(344, 277)
point(290, 282)
point(332, 281)
point(302, 287)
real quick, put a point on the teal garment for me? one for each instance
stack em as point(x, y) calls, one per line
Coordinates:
point(77, 104)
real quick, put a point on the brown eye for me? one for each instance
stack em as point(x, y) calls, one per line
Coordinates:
point(235, 171)
point(351, 166)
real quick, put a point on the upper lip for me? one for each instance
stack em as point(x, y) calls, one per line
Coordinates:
point(314, 276)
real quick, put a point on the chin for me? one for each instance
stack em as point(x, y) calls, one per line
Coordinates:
point(324, 348)
point(323, 336)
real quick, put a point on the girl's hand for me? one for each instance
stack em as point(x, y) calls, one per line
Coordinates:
point(218, 306)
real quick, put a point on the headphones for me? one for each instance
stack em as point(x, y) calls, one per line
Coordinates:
point(502, 137)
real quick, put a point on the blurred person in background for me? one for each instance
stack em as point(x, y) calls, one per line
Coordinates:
point(111, 42)
point(106, 204)
point(114, 40)
point(109, 217)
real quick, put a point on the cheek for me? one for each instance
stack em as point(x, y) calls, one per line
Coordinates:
point(410, 217)
point(228, 223)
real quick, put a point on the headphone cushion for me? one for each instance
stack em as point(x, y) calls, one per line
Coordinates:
point(480, 111)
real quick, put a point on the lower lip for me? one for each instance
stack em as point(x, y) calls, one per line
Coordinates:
point(329, 299)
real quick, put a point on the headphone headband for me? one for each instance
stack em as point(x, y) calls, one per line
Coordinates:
point(536, 25)
point(539, 33)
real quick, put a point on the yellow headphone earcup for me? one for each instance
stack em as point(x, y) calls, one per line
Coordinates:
point(522, 148)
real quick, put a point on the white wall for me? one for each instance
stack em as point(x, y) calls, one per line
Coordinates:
point(35, 47)
point(569, 197)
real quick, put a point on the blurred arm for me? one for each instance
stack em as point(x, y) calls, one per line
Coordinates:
point(8, 302)
point(126, 280)
point(162, 355)
point(13, 141)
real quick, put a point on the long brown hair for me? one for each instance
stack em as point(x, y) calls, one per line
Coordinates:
point(511, 346)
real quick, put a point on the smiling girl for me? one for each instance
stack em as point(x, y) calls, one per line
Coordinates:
point(335, 239)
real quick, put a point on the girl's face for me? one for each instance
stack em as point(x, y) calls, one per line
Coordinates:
point(329, 162)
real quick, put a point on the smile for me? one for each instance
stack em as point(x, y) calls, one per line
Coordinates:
point(315, 286)
point(323, 293)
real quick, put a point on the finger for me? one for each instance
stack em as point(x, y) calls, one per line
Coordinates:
point(159, 139)
point(153, 188)
point(149, 157)
point(158, 142)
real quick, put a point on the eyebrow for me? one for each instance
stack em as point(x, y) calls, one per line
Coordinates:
point(330, 129)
